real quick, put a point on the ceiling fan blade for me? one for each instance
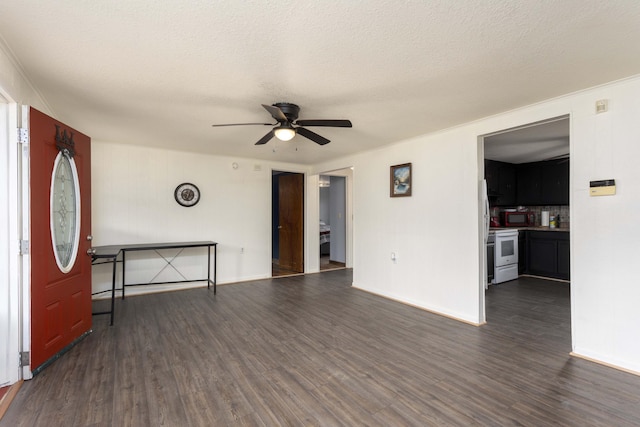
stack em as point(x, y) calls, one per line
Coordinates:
point(244, 124)
point(312, 136)
point(329, 123)
point(275, 112)
point(265, 138)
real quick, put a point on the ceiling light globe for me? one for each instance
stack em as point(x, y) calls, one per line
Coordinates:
point(284, 133)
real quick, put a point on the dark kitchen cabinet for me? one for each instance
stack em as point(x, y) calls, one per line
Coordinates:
point(491, 175)
point(543, 183)
point(555, 182)
point(522, 251)
point(507, 185)
point(547, 254)
point(529, 178)
point(563, 258)
point(501, 182)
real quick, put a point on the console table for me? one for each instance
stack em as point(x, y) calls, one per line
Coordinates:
point(118, 253)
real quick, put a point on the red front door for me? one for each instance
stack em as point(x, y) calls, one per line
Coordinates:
point(60, 285)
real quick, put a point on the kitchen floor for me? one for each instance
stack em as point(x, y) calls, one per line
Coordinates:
point(534, 307)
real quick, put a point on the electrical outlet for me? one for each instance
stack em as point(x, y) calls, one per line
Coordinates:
point(394, 257)
point(241, 250)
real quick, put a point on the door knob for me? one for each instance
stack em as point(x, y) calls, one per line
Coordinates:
point(91, 251)
point(89, 237)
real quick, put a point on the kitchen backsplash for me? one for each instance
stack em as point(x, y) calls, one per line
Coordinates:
point(561, 211)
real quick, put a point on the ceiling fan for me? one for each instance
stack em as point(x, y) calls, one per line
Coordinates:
point(288, 125)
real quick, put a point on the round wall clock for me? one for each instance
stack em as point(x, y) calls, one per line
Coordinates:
point(187, 194)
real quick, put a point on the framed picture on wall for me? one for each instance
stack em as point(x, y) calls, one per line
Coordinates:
point(400, 178)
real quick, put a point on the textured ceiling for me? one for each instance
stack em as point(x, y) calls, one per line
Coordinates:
point(530, 143)
point(159, 73)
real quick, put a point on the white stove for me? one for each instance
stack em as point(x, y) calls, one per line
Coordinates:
point(506, 256)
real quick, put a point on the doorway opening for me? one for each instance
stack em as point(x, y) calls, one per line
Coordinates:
point(526, 183)
point(333, 222)
point(287, 223)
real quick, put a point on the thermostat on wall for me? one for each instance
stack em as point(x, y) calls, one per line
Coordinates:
point(606, 187)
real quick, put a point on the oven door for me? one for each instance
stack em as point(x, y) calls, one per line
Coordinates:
point(506, 250)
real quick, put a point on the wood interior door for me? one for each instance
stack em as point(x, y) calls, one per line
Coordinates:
point(290, 222)
point(60, 276)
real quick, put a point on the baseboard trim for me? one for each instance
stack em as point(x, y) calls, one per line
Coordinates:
point(8, 397)
point(609, 365)
point(448, 316)
point(545, 278)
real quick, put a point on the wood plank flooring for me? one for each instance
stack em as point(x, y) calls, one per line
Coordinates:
point(311, 350)
point(325, 264)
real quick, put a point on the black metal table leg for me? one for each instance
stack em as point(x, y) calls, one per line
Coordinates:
point(113, 288)
point(215, 263)
point(123, 268)
point(209, 268)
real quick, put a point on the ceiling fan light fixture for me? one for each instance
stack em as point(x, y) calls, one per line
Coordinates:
point(284, 132)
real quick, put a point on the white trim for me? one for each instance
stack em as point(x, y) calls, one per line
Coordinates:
point(11, 292)
point(481, 171)
point(7, 320)
point(23, 202)
point(22, 75)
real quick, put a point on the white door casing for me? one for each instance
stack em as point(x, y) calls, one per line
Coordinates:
point(24, 273)
point(10, 289)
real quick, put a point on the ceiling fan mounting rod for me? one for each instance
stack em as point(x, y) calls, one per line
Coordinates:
point(291, 111)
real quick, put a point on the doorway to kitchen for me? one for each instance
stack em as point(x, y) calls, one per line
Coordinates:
point(527, 191)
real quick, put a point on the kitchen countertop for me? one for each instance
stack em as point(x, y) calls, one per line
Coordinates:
point(538, 228)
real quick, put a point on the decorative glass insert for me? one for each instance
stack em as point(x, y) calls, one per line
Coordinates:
point(65, 211)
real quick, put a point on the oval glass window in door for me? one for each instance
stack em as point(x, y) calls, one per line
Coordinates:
point(65, 211)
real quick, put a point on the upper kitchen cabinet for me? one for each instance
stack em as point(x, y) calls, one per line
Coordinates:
point(555, 182)
point(501, 182)
point(491, 175)
point(529, 179)
point(543, 183)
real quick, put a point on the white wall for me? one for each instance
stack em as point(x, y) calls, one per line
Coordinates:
point(337, 215)
point(606, 294)
point(433, 233)
point(436, 232)
point(324, 204)
point(15, 89)
point(133, 202)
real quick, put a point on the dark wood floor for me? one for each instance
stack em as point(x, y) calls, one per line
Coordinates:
point(311, 350)
point(325, 264)
point(277, 271)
